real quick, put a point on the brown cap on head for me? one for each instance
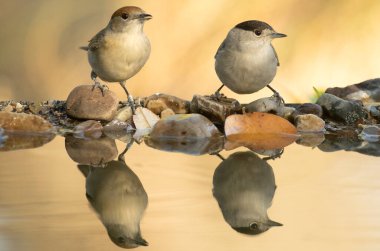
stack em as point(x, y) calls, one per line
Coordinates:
point(253, 25)
point(130, 10)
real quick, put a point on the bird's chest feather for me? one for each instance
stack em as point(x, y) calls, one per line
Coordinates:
point(126, 48)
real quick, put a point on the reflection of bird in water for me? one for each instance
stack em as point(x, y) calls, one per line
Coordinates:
point(120, 200)
point(244, 187)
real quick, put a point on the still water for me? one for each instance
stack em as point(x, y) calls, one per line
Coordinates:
point(324, 201)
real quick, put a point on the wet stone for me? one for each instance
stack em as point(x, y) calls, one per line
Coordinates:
point(190, 133)
point(348, 112)
point(84, 102)
point(91, 152)
point(311, 139)
point(11, 121)
point(118, 129)
point(269, 105)
point(159, 102)
point(88, 129)
point(370, 133)
point(309, 123)
point(367, 91)
point(12, 141)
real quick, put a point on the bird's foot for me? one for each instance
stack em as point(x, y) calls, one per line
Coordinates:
point(217, 96)
point(132, 104)
point(278, 97)
point(100, 86)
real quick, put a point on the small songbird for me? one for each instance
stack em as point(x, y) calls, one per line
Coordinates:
point(246, 60)
point(244, 187)
point(121, 49)
point(118, 197)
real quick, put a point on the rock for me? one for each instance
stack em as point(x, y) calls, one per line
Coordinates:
point(288, 111)
point(35, 108)
point(144, 121)
point(84, 102)
point(215, 110)
point(3, 137)
point(8, 108)
point(118, 130)
point(190, 133)
point(124, 114)
point(166, 113)
point(367, 91)
point(24, 140)
point(309, 123)
point(311, 139)
point(374, 111)
point(19, 108)
point(309, 108)
point(269, 105)
point(344, 139)
point(91, 152)
point(335, 108)
point(88, 129)
point(370, 133)
point(10, 121)
point(159, 102)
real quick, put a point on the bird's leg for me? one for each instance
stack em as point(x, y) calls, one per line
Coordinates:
point(217, 95)
point(130, 98)
point(127, 147)
point(276, 94)
point(97, 84)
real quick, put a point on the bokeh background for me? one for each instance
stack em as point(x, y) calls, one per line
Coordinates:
point(329, 43)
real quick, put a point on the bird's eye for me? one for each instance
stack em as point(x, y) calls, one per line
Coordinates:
point(253, 226)
point(124, 16)
point(257, 32)
point(121, 239)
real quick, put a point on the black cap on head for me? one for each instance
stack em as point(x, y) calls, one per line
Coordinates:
point(252, 25)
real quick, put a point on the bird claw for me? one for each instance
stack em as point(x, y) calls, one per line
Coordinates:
point(277, 96)
point(100, 86)
point(217, 96)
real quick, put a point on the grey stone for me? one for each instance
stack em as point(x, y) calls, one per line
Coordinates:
point(84, 102)
point(367, 91)
point(215, 110)
point(348, 112)
point(269, 105)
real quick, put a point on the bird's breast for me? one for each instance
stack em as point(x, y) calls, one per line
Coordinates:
point(121, 56)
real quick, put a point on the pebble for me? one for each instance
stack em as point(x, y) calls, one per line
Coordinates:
point(85, 103)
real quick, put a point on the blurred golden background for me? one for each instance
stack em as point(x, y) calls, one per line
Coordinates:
point(329, 43)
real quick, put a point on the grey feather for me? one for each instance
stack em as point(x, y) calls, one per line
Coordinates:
point(221, 47)
point(97, 41)
point(275, 53)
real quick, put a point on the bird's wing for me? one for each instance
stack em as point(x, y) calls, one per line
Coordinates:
point(275, 53)
point(221, 48)
point(96, 41)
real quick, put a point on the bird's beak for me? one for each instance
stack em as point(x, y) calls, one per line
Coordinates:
point(145, 16)
point(141, 242)
point(272, 223)
point(277, 35)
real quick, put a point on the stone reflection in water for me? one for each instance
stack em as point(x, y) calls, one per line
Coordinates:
point(118, 197)
point(93, 152)
point(244, 186)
